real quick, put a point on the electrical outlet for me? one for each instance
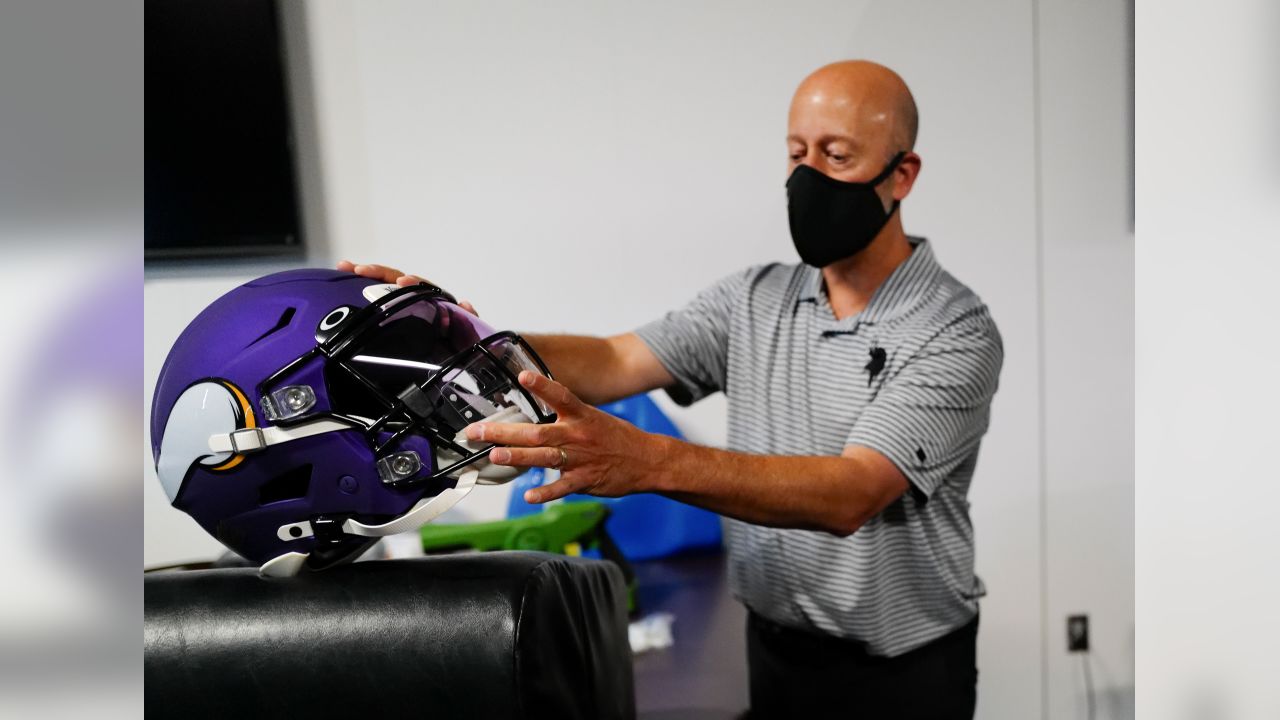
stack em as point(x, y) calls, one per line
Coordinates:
point(1077, 633)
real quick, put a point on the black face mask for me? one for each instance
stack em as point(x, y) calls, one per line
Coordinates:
point(832, 219)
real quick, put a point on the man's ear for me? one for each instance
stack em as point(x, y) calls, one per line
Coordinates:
point(904, 176)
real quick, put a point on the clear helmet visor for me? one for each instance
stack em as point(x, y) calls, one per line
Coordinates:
point(413, 342)
point(448, 367)
point(481, 384)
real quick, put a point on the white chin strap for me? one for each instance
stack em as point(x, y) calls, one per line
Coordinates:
point(481, 472)
point(426, 510)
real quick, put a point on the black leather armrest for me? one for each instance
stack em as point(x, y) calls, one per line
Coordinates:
point(482, 635)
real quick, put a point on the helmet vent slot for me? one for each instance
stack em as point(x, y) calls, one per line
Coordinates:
point(286, 486)
point(285, 318)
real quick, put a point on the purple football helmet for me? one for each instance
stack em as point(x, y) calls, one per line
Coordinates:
point(305, 414)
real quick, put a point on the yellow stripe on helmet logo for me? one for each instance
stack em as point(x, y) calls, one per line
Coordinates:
point(247, 418)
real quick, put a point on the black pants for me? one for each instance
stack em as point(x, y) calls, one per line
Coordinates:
point(796, 674)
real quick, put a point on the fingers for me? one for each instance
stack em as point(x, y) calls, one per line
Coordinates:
point(553, 393)
point(546, 457)
point(381, 273)
point(556, 490)
point(517, 434)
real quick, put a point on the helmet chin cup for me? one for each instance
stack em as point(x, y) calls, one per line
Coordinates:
point(491, 474)
point(286, 565)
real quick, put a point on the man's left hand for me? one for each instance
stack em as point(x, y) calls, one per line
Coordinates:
point(595, 452)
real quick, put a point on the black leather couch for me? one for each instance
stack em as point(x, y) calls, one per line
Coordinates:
point(482, 635)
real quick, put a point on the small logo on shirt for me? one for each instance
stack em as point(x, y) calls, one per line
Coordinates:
point(876, 364)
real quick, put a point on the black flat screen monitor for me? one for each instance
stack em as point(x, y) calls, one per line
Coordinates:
point(220, 172)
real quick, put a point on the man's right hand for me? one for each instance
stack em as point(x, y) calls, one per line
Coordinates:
point(385, 274)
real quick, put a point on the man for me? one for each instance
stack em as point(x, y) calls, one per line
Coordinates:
point(859, 387)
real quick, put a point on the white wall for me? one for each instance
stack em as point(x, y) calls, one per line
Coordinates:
point(1206, 363)
point(1087, 290)
point(616, 159)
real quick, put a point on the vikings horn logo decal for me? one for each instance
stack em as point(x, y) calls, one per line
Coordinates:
point(207, 408)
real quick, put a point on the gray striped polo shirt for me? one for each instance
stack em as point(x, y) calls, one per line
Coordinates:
point(911, 376)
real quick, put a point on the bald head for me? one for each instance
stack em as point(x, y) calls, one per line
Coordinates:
point(872, 95)
point(864, 105)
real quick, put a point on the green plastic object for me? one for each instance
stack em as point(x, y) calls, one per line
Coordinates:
point(563, 528)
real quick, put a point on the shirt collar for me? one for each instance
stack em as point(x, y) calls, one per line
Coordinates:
point(900, 292)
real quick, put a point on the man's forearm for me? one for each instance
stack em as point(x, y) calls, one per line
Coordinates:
point(582, 363)
point(600, 370)
point(833, 494)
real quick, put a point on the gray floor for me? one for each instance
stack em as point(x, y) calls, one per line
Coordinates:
point(703, 676)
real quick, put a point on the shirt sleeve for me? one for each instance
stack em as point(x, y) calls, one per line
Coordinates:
point(692, 343)
point(930, 417)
